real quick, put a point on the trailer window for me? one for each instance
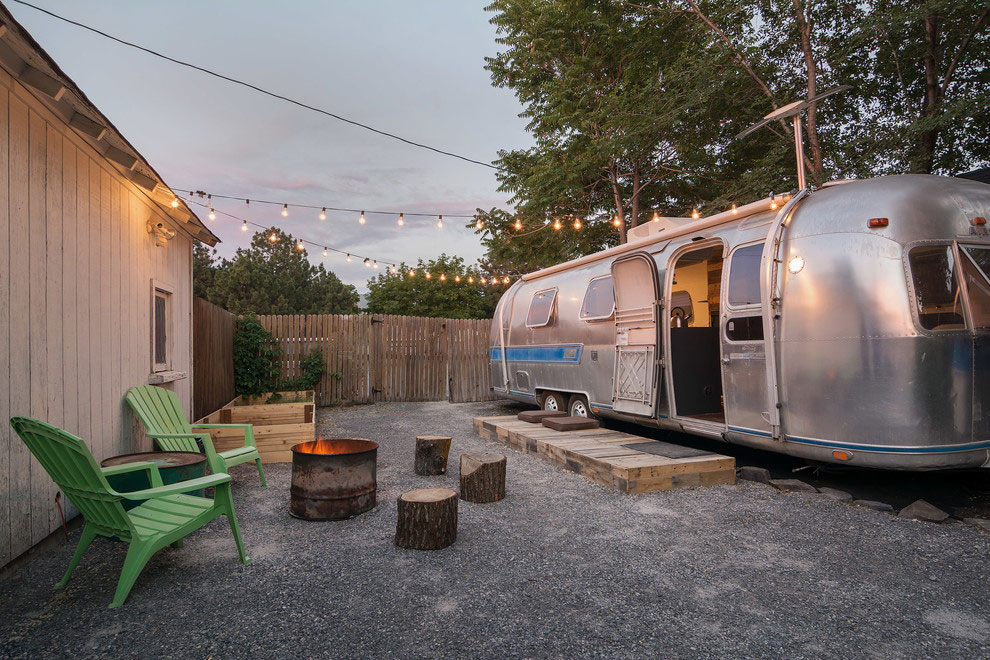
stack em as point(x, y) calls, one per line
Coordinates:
point(936, 290)
point(744, 328)
point(599, 299)
point(744, 276)
point(541, 308)
point(976, 273)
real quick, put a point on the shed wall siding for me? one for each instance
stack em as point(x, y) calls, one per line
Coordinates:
point(76, 265)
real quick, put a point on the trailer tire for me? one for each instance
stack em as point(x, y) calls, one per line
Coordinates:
point(578, 407)
point(553, 401)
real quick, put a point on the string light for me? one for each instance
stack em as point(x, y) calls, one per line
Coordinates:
point(273, 237)
point(375, 265)
point(443, 277)
point(213, 215)
point(367, 262)
point(695, 214)
point(244, 225)
point(577, 223)
point(402, 219)
point(617, 221)
point(482, 280)
point(175, 202)
point(518, 226)
point(300, 246)
point(439, 222)
point(734, 209)
point(773, 201)
point(324, 252)
point(323, 213)
point(348, 258)
point(428, 276)
point(556, 225)
point(457, 278)
point(285, 210)
point(505, 280)
point(362, 220)
point(470, 280)
point(656, 217)
point(478, 225)
point(394, 270)
point(412, 273)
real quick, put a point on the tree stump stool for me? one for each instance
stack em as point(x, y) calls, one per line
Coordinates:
point(482, 477)
point(431, 454)
point(427, 519)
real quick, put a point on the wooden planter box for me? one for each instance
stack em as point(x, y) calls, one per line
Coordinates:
point(277, 425)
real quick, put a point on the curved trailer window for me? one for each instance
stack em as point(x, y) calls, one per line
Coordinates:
point(541, 308)
point(936, 290)
point(599, 299)
point(744, 276)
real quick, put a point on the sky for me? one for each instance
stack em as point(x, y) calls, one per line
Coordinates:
point(414, 69)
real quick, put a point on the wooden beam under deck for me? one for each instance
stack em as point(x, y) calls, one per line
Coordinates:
point(599, 455)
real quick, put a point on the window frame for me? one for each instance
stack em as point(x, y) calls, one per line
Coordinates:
point(167, 293)
point(587, 288)
point(963, 253)
point(913, 293)
point(550, 315)
point(728, 277)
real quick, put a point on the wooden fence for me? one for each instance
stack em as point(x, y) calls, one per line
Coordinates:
point(388, 358)
point(213, 357)
point(378, 357)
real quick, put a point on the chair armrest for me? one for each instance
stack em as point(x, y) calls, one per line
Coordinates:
point(181, 487)
point(247, 428)
point(154, 475)
point(213, 459)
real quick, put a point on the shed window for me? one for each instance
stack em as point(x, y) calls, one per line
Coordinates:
point(744, 276)
point(161, 329)
point(936, 290)
point(541, 308)
point(599, 299)
point(975, 264)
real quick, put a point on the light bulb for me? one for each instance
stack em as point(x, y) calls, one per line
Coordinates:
point(505, 280)
point(556, 225)
point(443, 277)
point(394, 270)
point(323, 214)
point(273, 237)
point(244, 225)
point(213, 214)
point(285, 210)
point(518, 224)
point(695, 214)
point(402, 219)
point(734, 209)
point(478, 225)
point(175, 202)
point(348, 258)
point(773, 204)
point(470, 280)
point(795, 265)
point(457, 278)
point(300, 246)
point(367, 262)
point(577, 224)
point(375, 265)
point(439, 222)
point(324, 252)
point(656, 217)
point(428, 276)
point(361, 220)
point(616, 221)
point(482, 280)
point(412, 273)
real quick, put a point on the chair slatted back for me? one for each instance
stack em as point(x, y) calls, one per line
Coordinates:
point(69, 463)
point(160, 412)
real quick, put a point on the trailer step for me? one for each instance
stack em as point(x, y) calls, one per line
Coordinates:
point(599, 455)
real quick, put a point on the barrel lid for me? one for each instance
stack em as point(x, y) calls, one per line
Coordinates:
point(163, 459)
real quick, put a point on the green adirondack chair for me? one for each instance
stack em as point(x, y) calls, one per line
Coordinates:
point(165, 518)
point(164, 420)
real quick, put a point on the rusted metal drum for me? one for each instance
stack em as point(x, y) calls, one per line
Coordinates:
point(333, 479)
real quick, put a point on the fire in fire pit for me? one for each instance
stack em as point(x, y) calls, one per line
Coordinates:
point(333, 478)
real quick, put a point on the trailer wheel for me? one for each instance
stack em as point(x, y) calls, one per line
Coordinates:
point(554, 401)
point(578, 407)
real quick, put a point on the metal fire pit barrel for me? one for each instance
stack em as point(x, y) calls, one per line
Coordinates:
point(333, 479)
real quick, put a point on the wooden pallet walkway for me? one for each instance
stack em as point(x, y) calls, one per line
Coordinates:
point(598, 454)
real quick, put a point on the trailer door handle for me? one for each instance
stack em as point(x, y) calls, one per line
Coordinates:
point(725, 360)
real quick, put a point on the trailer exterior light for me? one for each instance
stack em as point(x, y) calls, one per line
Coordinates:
point(795, 265)
point(978, 221)
point(877, 223)
point(841, 455)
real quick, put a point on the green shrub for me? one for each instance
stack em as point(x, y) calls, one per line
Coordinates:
point(256, 371)
point(313, 367)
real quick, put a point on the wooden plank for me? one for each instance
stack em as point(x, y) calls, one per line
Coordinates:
point(7, 436)
point(54, 234)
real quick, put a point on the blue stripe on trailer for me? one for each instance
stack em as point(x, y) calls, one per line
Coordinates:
point(531, 396)
point(891, 450)
point(565, 353)
point(751, 431)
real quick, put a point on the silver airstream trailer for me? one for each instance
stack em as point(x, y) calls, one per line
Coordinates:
point(850, 324)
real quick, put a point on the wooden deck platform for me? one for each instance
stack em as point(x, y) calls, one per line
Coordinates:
point(599, 455)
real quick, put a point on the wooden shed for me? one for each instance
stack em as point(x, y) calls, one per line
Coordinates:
point(95, 279)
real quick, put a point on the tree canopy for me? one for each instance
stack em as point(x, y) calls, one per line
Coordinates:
point(271, 277)
point(451, 291)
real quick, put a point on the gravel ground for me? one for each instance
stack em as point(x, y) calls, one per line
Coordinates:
point(562, 568)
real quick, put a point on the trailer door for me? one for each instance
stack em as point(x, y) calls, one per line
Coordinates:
point(974, 261)
point(637, 290)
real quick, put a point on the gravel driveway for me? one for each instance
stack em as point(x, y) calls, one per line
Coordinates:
point(562, 568)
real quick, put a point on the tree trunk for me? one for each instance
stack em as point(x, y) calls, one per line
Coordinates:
point(482, 477)
point(634, 210)
point(427, 519)
point(924, 163)
point(431, 454)
point(817, 160)
point(613, 176)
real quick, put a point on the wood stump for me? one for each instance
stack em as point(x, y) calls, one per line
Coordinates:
point(482, 477)
point(431, 454)
point(427, 519)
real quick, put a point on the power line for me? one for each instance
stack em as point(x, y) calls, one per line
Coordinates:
point(252, 86)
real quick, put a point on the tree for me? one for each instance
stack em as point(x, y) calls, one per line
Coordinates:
point(274, 277)
point(204, 270)
point(450, 291)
